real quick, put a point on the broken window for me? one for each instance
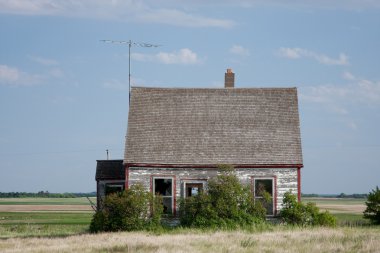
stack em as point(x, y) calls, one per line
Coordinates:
point(263, 192)
point(164, 188)
point(193, 189)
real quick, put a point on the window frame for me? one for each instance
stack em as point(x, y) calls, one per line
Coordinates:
point(184, 182)
point(274, 191)
point(173, 191)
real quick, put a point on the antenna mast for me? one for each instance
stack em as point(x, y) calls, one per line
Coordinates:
point(130, 43)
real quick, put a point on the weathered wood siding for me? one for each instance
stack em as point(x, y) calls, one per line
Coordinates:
point(286, 178)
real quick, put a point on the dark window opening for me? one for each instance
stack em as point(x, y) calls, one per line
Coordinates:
point(193, 189)
point(112, 188)
point(264, 187)
point(164, 188)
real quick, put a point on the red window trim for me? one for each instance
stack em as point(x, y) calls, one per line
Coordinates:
point(274, 178)
point(174, 193)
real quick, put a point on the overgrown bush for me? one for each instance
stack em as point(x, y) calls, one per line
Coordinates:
point(227, 203)
point(372, 212)
point(297, 213)
point(132, 209)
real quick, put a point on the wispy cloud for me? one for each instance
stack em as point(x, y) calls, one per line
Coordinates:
point(348, 76)
point(297, 53)
point(11, 76)
point(239, 50)
point(184, 56)
point(180, 18)
point(338, 98)
point(322, 4)
point(128, 10)
point(43, 61)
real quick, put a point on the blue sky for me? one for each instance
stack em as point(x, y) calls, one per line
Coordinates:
point(64, 93)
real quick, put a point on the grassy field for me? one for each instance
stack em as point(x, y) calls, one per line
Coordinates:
point(45, 204)
point(62, 230)
point(349, 212)
point(281, 239)
point(46, 201)
point(36, 217)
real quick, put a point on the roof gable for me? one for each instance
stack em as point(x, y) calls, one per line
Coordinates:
point(255, 126)
point(110, 170)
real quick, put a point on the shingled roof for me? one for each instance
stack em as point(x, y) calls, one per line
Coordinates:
point(110, 170)
point(252, 126)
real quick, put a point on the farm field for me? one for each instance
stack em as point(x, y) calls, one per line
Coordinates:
point(25, 217)
point(64, 230)
point(45, 204)
point(349, 212)
point(338, 205)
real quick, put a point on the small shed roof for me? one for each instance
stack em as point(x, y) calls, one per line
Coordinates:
point(110, 170)
point(251, 126)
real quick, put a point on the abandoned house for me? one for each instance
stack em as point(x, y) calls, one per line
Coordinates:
point(177, 137)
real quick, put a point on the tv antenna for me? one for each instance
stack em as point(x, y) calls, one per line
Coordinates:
point(130, 43)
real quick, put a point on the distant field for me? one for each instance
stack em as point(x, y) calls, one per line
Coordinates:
point(338, 205)
point(46, 201)
point(45, 204)
point(20, 217)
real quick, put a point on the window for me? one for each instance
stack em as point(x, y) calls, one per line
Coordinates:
point(193, 189)
point(263, 186)
point(112, 188)
point(164, 188)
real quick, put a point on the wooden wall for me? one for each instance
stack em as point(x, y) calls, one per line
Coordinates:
point(285, 178)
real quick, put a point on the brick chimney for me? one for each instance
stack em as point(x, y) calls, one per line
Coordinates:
point(229, 79)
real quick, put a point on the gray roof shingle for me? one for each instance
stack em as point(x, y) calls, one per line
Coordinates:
point(250, 126)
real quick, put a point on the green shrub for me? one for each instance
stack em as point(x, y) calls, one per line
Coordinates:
point(133, 209)
point(372, 212)
point(227, 203)
point(297, 213)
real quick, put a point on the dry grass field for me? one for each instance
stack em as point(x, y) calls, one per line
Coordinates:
point(339, 205)
point(281, 240)
point(61, 225)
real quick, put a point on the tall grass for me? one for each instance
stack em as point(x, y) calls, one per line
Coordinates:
point(281, 239)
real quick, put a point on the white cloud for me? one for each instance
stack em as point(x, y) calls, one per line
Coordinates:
point(348, 76)
point(239, 50)
point(184, 56)
point(127, 10)
point(180, 18)
point(11, 76)
point(324, 4)
point(296, 53)
point(338, 98)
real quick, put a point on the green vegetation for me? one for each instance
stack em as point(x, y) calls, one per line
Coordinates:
point(298, 213)
point(15, 218)
point(27, 224)
point(132, 209)
point(372, 212)
point(226, 204)
point(350, 220)
point(46, 201)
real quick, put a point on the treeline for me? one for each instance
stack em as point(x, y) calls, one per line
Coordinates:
point(342, 195)
point(46, 194)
